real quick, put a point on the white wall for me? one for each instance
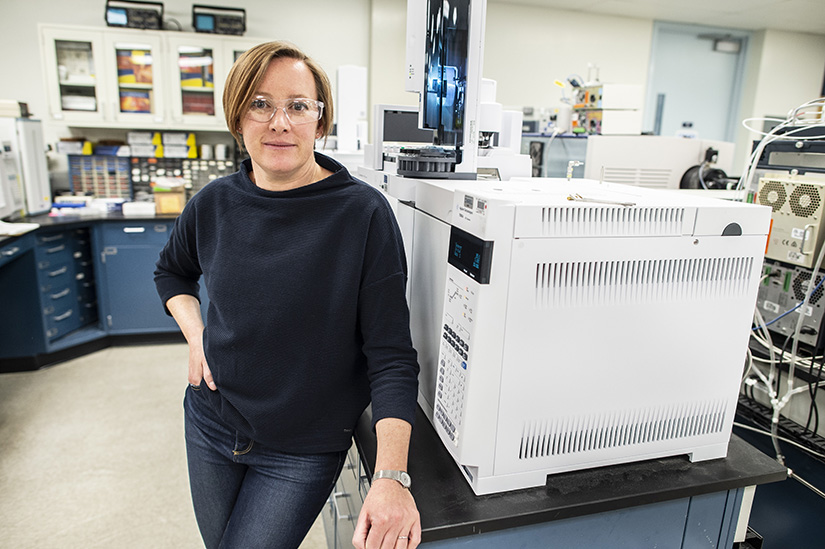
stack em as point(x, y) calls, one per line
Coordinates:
point(387, 54)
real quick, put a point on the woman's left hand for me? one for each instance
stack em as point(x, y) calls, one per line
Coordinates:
point(389, 518)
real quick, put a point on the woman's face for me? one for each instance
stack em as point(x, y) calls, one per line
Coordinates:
point(282, 152)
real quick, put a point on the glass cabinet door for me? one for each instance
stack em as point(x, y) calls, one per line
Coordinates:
point(74, 75)
point(137, 77)
point(196, 94)
point(197, 80)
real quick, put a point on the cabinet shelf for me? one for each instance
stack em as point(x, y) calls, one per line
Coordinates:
point(69, 83)
point(198, 89)
point(136, 86)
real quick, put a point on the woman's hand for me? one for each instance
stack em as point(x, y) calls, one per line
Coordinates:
point(198, 368)
point(186, 310)
point(389, 518)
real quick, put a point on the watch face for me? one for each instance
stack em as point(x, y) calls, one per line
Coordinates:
point(405, 479)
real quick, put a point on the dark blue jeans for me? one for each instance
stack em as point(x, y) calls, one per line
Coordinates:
point(245, 494)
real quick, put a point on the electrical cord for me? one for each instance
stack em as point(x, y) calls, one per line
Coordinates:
point(813, 409)
point(783, 439)
point(175, 21)
point(701, 178)
point(798, 305)
point(801, 362)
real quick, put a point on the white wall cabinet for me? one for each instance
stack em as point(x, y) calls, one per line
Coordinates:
point(75, 81)
point(106, 78)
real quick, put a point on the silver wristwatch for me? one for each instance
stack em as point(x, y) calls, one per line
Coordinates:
point(401, 476)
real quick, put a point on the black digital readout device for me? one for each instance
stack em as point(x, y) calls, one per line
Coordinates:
point(133, 14)
point(470, 255)
point(218, 19)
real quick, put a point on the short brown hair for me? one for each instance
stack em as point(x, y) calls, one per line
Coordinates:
point(248, 71)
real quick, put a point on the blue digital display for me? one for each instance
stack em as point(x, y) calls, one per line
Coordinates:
point(116, 17)
point(204, 22)
point(470, 255)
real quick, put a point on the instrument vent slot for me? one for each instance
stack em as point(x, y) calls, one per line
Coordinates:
point(592, 433)
point(590, 221)
point(599, 283)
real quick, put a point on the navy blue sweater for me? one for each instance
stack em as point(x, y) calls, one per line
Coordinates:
point(307, 319)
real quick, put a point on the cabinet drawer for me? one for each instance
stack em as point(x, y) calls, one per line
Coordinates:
point(55, 279)
point(140, 232)
point(62, 321)
point(58, 298)
point(12, 250)
point(51, 238)
point(56, 254)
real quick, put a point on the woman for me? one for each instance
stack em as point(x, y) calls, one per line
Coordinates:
point(307, 322)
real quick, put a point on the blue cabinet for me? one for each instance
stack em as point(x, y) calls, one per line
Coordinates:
point(127, 252)
point(126, 255)
point(71, 283)
point(48, 291)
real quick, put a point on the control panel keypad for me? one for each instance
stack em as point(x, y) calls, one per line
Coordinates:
point(453, 361)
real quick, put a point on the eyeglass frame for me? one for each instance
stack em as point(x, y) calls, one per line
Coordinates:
point(319, 104)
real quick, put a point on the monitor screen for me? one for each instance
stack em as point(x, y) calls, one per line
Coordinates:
point(402, 127)
point(204, 22)
point(116, 17)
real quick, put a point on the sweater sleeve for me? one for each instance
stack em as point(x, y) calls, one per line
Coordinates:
point(384, 320)
point(177, 270)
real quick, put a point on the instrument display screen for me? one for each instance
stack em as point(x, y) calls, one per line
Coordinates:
point(470, 255)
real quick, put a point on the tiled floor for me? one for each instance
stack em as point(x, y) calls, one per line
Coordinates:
point(92, 454)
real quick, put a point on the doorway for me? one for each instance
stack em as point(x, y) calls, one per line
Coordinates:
point(696, 75)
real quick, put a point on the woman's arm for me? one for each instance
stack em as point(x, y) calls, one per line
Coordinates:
point(186, 310)
point(389, 517)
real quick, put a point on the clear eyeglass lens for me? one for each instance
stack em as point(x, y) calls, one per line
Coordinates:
point(298, 111)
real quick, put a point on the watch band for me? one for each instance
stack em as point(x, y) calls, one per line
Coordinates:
point(402, 477)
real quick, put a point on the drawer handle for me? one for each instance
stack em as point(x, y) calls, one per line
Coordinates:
point(134, 230)
point(338, 514)
point(51, 238)
point(63, 293)
point(160, 228)
point(56, 249)
point(11, 251)
point(64, 316)
point(59, 272)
